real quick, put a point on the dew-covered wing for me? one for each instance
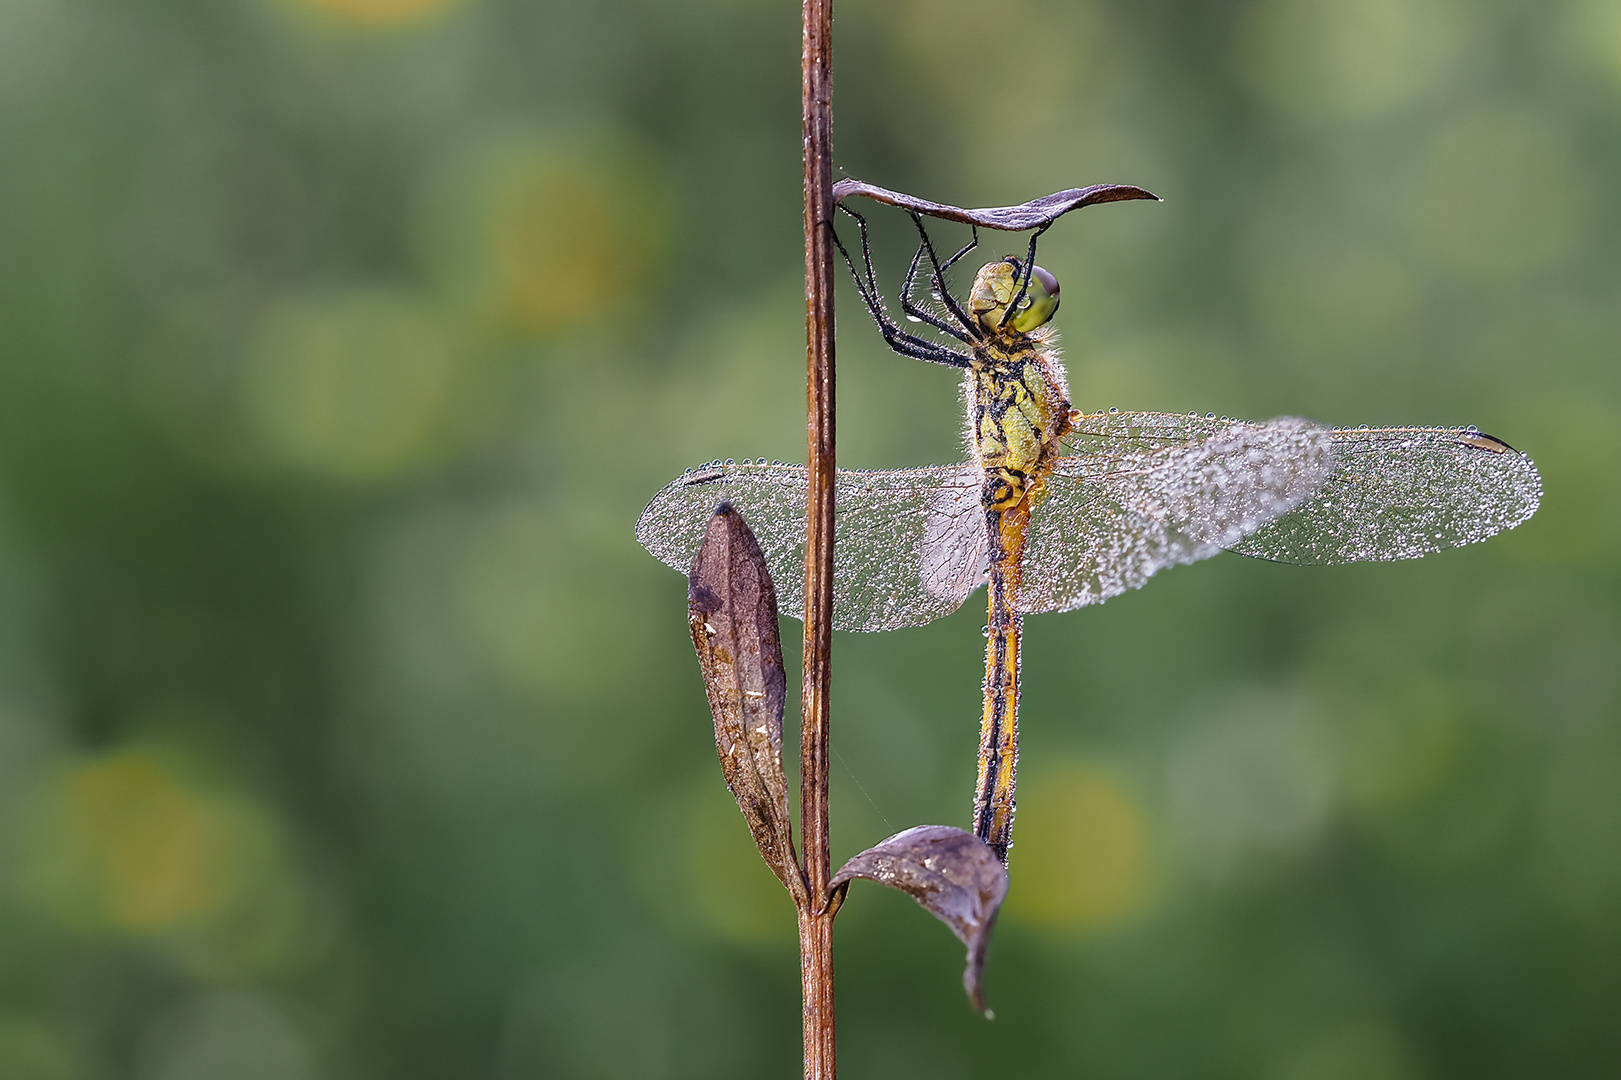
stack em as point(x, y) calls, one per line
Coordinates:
point(1398, 493)
point(954, 554)
point(1153, 490)
point(909, 543)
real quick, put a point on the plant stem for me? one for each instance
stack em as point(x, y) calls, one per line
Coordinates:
point(816, 920)
point(816, 979)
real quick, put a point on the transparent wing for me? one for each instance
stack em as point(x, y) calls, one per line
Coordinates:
point(1116, 432)
point(909, 543)
point(1398, 493)
point(1143, 491)
point(1152, 490)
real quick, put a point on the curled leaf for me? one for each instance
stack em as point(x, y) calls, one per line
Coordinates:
point(953, 874)
point(1031, 215)
point(732, 609)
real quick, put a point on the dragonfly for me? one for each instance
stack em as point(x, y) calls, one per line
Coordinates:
point(1059, 508)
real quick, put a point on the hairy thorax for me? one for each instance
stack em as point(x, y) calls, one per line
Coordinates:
point(1019, 411)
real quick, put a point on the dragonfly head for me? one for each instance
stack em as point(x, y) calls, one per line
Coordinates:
point(997, 284)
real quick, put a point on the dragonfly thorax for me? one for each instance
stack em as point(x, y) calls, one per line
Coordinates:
point(1018, 412)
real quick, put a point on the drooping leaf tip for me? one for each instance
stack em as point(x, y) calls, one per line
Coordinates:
point(953, 875)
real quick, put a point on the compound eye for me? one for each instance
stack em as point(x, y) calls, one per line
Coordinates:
point(1040, 302)
point(1048, 282)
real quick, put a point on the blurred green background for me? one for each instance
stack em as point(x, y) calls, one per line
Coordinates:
point(346, 732)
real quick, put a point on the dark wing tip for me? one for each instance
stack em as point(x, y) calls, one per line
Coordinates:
point(1482, 441)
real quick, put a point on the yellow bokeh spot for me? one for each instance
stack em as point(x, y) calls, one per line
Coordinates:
point(381, 12)
point(353, 385)
point(127, 844)
point(1081, 851)
point(539, 235)
point(136, 848)
point(130, 844)
point(550, 233)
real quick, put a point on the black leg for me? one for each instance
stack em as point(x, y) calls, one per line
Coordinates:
point(966, 248)
point(1024, 278)
point(866, 286)
point(923, 314)
point(939, 278)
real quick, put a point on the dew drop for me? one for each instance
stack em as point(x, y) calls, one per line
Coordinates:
point(913, 318)
point(729, 461)
point(1114, 410)
point(1209, 416)
point(1363, 427)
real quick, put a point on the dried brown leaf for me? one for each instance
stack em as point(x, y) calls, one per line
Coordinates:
point(1030, 215)
point(732, 609)
point(953, 874)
